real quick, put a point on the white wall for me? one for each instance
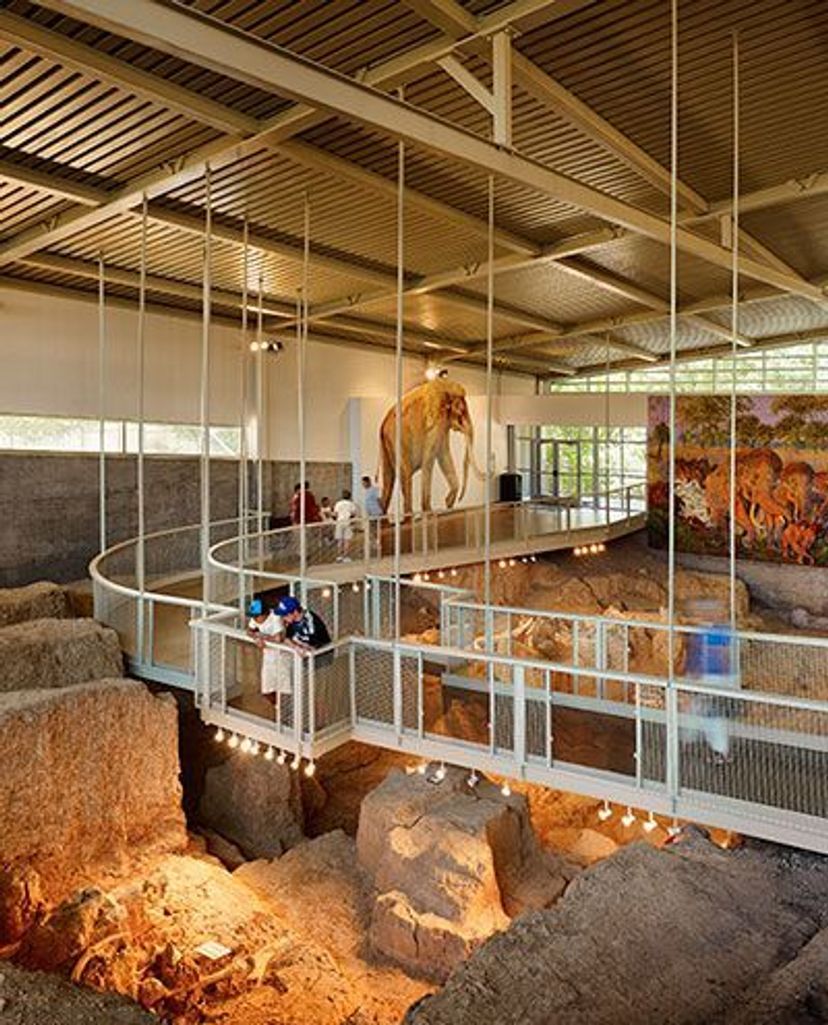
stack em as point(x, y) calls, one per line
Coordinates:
point(49, 360)
point(575, 409)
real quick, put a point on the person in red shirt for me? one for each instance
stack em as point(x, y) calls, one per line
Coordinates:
point(312, 513)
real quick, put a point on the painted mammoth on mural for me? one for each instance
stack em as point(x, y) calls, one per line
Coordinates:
point(430, 412)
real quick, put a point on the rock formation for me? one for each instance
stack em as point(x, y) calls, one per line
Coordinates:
point(253, 803)
point(42, 600)
point(89, 784)
point(38, 998)
point(680, 935)
point(449, 863)
point(46, 653)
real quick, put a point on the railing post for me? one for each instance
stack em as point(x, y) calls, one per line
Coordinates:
point(151, 631)
point(672, 771)
point(639, 738)
point(311, 660)
point(352, 681)
point(628, 502)
point(519, 718)
point(139, 630)
point(550, 738)
point(336, 612)
point(398, 697)
point(298, 699)
point(600, 655)
point(420, 712)
point(376, 611)
point(366, 543)
point(222, 669)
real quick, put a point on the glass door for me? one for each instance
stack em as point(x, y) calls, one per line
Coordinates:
point(560, 469)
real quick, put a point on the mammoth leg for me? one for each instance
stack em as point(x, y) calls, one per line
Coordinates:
point(425, 482)
point(406, 485)
point(450, 473)
point(388, 475)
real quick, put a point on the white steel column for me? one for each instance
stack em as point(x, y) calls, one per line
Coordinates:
point(671, 698)
point(101, 404)
point(398, 390)
point(204, 403)
point(487, 497)
point(139, 554)
point(734, 327)
point(302, 339)
point(260, 412)
point(243, 363)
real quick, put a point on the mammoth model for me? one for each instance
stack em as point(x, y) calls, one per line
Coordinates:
point(430, 413)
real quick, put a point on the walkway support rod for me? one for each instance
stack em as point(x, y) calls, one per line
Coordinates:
point(142, 316)
point(487, 497)
point(204, 399)
point(243, 364)
point(671, 700)
point(260, 432)
point(101, 403)
point(734, 328)
point(398, 386)
point(302, 340)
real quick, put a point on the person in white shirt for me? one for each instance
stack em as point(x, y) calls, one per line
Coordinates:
point(268, 629)
point(345, 512)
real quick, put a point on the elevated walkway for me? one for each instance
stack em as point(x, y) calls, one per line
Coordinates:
point(592, 719)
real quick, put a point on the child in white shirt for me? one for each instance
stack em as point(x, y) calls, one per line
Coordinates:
point(344, 512)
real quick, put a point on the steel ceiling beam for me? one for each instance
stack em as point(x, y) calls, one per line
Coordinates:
point(52, 183)
point(556, 97)
point(188, 167)
point(199, 40)
point(88, 270)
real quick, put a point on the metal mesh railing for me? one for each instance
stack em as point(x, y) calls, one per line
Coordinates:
point(752, 751)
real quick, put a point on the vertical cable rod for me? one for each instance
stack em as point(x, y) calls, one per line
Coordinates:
point(102, 402)
point(141, 346)
point(487, 497)
point(243, 350)
point(260, 410)
point(672, 770)
point(398, 386)
point(300, 366)
point(204, 397)
point(734, 329)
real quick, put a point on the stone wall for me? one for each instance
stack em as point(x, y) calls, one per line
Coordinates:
point(49, 504)
point(776, 585)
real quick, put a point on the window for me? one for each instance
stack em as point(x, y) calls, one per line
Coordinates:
point(575, 462)
point(65, 434)
point(797, 368)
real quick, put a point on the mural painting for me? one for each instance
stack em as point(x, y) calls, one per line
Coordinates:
point(781, 501)
point(430, 412)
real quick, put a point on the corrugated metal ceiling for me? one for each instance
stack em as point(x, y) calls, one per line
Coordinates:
point(613, 55)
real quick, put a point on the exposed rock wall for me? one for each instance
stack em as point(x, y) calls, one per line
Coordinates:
point(35, 601)
point(254, 803)
point(89, 785)
point(57, 653)
point(680, 935)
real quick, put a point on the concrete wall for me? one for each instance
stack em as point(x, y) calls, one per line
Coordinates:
point(49, 504)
